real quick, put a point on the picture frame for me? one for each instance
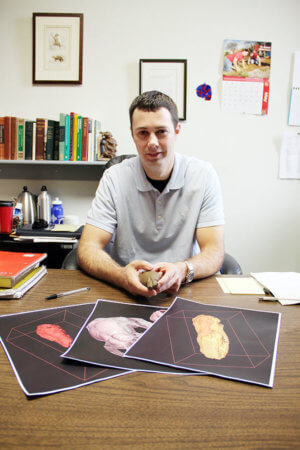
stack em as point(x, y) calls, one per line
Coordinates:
point(168, 76)
point(57, 48)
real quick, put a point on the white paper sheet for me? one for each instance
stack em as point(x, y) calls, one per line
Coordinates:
point(290, 155)
point(284, 285)
point(294, 112)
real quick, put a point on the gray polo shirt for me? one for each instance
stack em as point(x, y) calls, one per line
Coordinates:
point(154, 226)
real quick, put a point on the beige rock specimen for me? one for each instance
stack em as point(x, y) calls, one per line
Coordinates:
point(150, 278)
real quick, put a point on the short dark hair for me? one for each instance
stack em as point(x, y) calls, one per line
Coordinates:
point(152, 101)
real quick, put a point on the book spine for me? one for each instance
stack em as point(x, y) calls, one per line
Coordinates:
point(67, 137)
point(72, 116)
point(7, 137)
point(2, 138)
point(97, 140)
point(14, 140)
point(56, 141)
point(62, 129)
point(50, 141)
point(21, 139)
point(79, 139)
point(75, 137)
point(39, 140)
point(90, 140)
point(85, 139)
point(45, 138)
point(28, 138)
point(33, 140)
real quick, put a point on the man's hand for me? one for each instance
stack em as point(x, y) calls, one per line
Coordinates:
point(172, 278)
point(131, 281)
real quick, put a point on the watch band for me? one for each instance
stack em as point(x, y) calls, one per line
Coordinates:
point(190, 272)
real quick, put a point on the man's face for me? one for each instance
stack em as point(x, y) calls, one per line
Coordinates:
point(154, 136)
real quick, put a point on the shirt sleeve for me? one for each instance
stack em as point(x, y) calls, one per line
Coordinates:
point(102, 213)
point(211, 211)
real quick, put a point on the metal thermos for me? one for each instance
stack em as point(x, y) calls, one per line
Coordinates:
point(44, 205)
point(28, 206)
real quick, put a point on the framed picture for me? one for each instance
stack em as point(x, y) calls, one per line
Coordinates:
point(57, 48)
point(167, 76)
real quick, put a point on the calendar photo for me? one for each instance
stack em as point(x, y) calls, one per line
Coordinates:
point(246, 73)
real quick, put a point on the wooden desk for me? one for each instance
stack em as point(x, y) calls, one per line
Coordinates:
point(144, 410)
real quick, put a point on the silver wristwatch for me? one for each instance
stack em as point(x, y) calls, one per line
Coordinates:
point(190, 272)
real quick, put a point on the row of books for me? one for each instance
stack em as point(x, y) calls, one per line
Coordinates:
point(71, 138)
point(19, 272)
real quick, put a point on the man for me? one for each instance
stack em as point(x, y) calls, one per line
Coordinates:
point(159, 207)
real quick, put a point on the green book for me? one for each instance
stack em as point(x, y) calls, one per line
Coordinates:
point(21, 139)
point(79, 138)
point(67, 137)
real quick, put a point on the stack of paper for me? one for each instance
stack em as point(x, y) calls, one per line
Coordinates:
point(285, 286)
point(14, 266)
point(240, 285)
point(24, 285)
point(57, 239)
point(61, 233)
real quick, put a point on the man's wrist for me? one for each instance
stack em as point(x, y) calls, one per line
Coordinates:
point(189, 276)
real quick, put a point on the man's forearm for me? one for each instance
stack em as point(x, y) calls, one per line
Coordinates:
point(99, 263)
point(211, 256)
point(207, 263)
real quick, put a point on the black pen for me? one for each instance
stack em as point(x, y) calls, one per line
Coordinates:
point(62, 294)
point(275, 299)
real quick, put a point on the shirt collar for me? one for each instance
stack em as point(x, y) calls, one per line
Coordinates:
point(176, 180)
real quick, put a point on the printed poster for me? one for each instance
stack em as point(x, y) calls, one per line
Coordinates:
point(246, 74)
point(110, 330)
point(233, 343)
point(34, 341)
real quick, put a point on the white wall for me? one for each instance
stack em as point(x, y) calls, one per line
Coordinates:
point(262, 212)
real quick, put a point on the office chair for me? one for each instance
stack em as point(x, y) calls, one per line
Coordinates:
point(117, 160)
point(229, 266)
point(70, 261)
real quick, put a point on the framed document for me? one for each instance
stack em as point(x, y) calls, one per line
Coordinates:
point(167, 76)
point(57, 48)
